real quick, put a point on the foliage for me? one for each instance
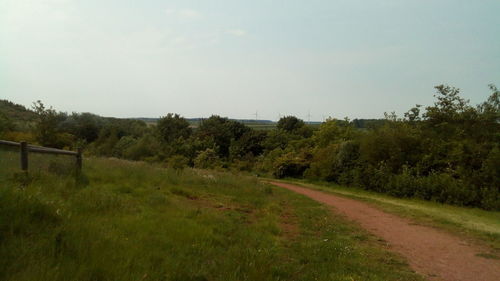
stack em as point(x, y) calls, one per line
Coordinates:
point(291, 165)
point(290, 123)
point(178, 162)
point(173, 127)
point(123, 145)
point(20, 117)
point(250, 143)
point(146, 148)
point(446, 152)
point(207, 159)
point(46, 129)
point(219, 132)
point(84, 126)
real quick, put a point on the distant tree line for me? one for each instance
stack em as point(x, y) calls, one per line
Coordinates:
point(447, 152)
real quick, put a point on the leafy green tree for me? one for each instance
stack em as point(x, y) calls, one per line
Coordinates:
point(323, 163)
point(290, 123)
point(333, 131)
point(489, 118)
point(220, 132)
point(394, 144)
point(85, 126)
point(413, 115)
point(278, 139)
point(46, 129)
point(451, 116)
point(250, 143)
point(173, 127)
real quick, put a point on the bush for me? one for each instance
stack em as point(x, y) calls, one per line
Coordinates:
point(145, 148)
point(490, 199)
point(178, 162)
point(19, 137)
point(122, 145)
point(207, 159)
point(291, 165)
point(322, 166)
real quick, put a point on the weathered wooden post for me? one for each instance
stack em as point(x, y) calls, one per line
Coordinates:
point(24, 156)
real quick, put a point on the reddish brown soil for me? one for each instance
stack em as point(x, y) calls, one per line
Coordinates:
point(433, 253)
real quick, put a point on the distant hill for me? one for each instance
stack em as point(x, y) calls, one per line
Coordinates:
point(195, 122)
point(21, 116)
point(16, 112)
point(269, 124)
point(17, 115)
point(245, 121)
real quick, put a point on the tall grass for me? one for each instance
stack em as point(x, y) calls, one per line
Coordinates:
point(136, 221)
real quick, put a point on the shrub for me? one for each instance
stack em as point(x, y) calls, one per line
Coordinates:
point(207, 159)
point(178, 162)
point(146, 147)
point(291, 165)
point(490, 198)
point(122, 145)
point(173, 127)
point(323, 163)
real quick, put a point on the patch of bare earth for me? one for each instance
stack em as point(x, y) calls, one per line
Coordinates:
point(431, 252)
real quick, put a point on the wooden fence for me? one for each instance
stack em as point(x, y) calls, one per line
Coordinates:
point(25, 148)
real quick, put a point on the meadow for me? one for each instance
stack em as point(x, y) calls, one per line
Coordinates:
point(126, 220)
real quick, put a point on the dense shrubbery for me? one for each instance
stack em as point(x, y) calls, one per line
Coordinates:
point(449, 154)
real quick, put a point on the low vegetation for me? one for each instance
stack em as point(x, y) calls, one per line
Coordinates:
point(128, 220)
point(447, 153)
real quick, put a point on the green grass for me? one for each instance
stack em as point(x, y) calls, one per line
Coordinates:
point(136, 221)
point(473, 223)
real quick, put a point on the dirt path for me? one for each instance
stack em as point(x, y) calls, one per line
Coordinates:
point(433, 253)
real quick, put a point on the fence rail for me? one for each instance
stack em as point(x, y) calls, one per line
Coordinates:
point(24, 148)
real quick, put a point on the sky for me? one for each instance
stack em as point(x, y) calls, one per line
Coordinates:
point(312, 59)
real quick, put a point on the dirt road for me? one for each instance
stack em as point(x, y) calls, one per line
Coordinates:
point(432, 253)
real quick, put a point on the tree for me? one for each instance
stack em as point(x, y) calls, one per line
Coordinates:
point(173, 127)
point(85, 126)
point(249, 143)
point(489, 116)
point(46, 127)
point(221, 132)
point(451, 115)
point(290, 123)
point(333, 131)
point(413, 115)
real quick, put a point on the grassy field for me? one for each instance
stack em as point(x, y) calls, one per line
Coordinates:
point(473, 223)
point(136, 221)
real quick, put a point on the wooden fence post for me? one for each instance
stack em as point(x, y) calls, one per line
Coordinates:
point(79, 160)
point(24, 156)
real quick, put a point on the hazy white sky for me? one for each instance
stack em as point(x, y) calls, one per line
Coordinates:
point(229, 57)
